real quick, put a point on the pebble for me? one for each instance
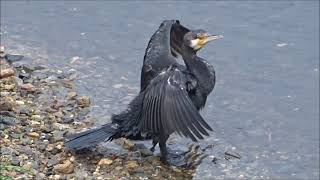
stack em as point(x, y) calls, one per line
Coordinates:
point(83, 101)
point(4, 73)
point(132, 164)
point(28, 87)
point(71, 95)
point(52, 161)
point(19, 102)
point(9, 87)
point(105, 161)
point(57, 135)
point(66, 168)
point(33, 135)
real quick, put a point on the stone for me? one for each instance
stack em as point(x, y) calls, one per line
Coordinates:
point(28, 87)
point(146, 152)
point(71, 95)
point(105, 161)
point(4, 73)
point(83, 101)
point(9, 87)
point(57, 135)
point(66, 168)
point(33, 135)
point(132, 164)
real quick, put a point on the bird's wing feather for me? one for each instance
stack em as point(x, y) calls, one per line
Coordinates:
point(167, 107)
point(167, 38)
point(163, 46)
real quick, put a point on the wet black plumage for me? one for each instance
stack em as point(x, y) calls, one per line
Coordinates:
point(171, 94)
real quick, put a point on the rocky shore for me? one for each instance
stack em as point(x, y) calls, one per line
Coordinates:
point(39, 106)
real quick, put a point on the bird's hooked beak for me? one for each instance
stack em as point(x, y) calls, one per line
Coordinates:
point(205, 38)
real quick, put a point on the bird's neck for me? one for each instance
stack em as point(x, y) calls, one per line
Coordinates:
point(189, 56)
point(202, 70)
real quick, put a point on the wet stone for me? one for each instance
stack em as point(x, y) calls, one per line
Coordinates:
point(67, 119)
point(57, 135)
point(71, 95)
point(25, 150)
point(7, 151)
point(145, 152)
point(66, 168)
point(24, 110)
point(52, 161)
point(15, 135)
point(15, 161)
point(83, 101)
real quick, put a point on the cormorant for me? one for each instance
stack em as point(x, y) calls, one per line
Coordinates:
point(171, 94)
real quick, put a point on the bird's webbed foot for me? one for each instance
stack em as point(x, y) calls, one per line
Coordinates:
point(190, 159)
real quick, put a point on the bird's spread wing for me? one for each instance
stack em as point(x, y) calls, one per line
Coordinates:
point(163, 46)
point(167, 38)
point(167, 107)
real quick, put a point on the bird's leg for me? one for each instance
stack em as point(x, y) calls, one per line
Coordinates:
point(154, 143)
point(163, 148)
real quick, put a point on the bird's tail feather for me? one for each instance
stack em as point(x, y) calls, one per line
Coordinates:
point(90, 138)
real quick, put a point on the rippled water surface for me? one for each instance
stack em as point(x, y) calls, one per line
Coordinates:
point(265, 105)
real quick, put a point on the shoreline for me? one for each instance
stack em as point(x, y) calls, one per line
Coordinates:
point(39, 107)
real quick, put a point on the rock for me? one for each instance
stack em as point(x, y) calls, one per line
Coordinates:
point(52, 161)
point(19, 102)
point(127, 144)
point(146, 152)
point(57, 135)
point(15, 161)
point(131, 164)
point(28, 87)
point(58, 104)
point(66, 168)
point(4, 73)
point(7, 104)
point(24, 109)
point(4, 93)
point(33, 135)
point(9, 87)
point(7, 151)
point(83, 101)
point(18, 81)
point(25, 150)
point(67, 119)
point(105, 161)
point(15, 135)
point(9, 120)
point(37, 117)
point(59, 126)
point(71, 95)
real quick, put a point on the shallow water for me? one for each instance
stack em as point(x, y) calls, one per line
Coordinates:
point(265, 105)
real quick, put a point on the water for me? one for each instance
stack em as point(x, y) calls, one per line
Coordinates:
point(266, 102)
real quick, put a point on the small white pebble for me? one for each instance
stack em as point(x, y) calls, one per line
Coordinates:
point(82, 34)
point(296, 109)
point(20, 102)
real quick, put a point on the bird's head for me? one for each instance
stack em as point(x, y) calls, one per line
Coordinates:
point(196, 39)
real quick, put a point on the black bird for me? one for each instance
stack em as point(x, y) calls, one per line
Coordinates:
point(171, 94)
